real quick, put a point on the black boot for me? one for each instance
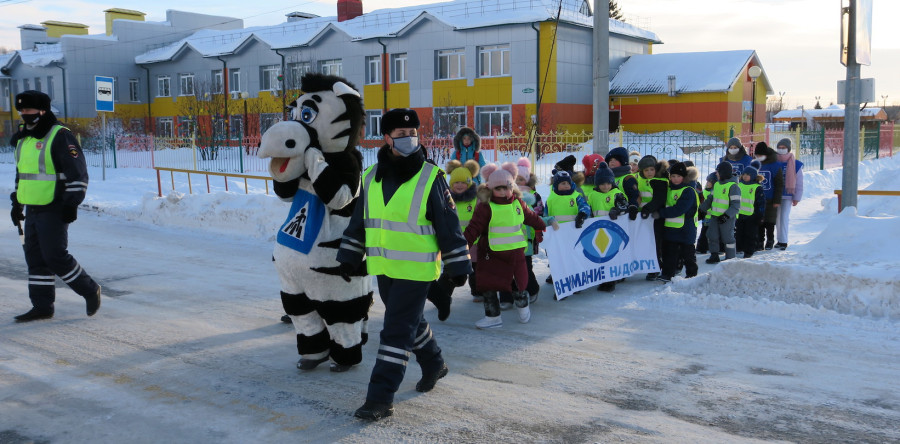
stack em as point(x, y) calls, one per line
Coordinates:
point(713, 258)
point(35, 314)
point(607, 286)
point(309, 364)
point(428, 381)
point(286, 319)
point(373, 411)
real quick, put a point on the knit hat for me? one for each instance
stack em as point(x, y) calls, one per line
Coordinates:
point(32, 99)
point(678, 168)
point(505, 175)
point(712, 178)
point(761, 149)
point(786, 142)
point(756, 164)
point(590, 163)
point(734, 142)
point(462, 173)
point(523, 165)
point(562, 176)
point(688, 163)
point(604, 174)
point(567, 164)
point(646, 162)
point(634, 157)
point(753, 172)
point(619, 153)
point(725, 170)
point(399, 118)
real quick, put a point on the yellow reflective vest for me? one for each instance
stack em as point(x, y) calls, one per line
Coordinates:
point(601, 202)
point(37, 174)
point(505, 228)
point(748, 196)
point(721, 198)
point(671, 199)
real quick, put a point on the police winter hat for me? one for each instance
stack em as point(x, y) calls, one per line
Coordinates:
point(399, 118)
point(725, 170)
point(646, 162)
point(619, 153)
point(32, 99)
point(734, 142)
point(785, 143)
point(678, 168)
point(604, 174)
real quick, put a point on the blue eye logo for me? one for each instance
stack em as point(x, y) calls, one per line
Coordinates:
point(602, 240)
point(307, 115)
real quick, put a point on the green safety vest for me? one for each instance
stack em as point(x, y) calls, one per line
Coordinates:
point(706, 194)
point(748, 194)
point(505, 228)
point(465, 210)
point(400, 241)
point(37, 174)
point(644, 189)
point(721, 199)
point(671, 198)
point(563, 208)
point(621, 179)
point(601, 202)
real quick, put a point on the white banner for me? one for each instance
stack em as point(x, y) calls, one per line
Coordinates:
point(602, 250)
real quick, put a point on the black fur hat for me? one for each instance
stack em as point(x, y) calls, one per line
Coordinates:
point(32, 99)
point(399, 118)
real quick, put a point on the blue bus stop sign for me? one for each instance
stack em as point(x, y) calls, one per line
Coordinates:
point(104, 93)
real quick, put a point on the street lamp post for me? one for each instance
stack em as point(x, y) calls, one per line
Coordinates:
point(884, 101)
point(244, 95)
point(781, 100)
point(754, 72)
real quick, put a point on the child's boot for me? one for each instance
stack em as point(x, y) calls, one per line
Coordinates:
point(491, 311)
point(521, 301)
point(713, 258)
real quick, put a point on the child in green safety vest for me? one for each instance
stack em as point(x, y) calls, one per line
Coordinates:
point(702, 241)
point(607, 200)
point(679, 218)
point(753, 207)
point(497, 227)
point(652, 186)
point(722, 206)
point(526, 182)
point(463, 190)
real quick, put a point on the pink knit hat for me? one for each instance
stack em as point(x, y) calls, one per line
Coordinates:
point(524, 168)
point(505, 175)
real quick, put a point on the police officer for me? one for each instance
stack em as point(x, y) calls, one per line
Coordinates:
point(406, 224)
point(51, 180)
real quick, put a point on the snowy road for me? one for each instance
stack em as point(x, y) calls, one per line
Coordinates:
point(187, 348)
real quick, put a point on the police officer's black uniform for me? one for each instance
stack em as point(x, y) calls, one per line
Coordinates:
point(46, 225)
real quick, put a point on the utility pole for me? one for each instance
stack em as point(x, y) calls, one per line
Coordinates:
point(850, 176)
point(601, 77)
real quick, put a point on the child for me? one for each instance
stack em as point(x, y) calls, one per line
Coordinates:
point(526, 183)
point(463, 191)
point(753, 206)
point(653, 189)
point(590, 162)
point(736, 155)
point(607, 200)
point(617, 160)
point(467, 145)
point(702, 242)
point(680, 222)
point(633, 158)
point(773, 185)
point(497, 226)
point(793, 190)
point(722, 206)
point(565, 204)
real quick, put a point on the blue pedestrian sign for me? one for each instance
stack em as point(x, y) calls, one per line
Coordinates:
point(104, 90)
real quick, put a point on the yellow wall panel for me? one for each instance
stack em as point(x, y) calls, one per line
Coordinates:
point(492, 91)
point(548, 61)
point(449, 93)
point(373, 97)
point(398, 95)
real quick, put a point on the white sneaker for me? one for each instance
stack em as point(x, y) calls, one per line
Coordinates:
point(489, 322)
point(506, 305)
point(524, 314)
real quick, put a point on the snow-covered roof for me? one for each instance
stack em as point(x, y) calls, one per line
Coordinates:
point(833, 111)
point(4, 61)
point(694, 72)
point(42, 54)
point(390, 22)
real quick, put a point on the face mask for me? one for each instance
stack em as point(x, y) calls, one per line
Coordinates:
point(733, 151)
point(31, 119)
point(782, 150)
point(406, 145)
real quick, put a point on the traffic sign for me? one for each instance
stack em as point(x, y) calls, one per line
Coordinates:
point(104, 90)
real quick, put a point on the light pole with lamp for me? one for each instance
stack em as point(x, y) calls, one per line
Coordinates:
point(781, 100)
point(884, 101)
point(754, 72)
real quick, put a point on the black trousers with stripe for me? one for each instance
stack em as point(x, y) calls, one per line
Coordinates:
point(47, 256)
point(405, 332)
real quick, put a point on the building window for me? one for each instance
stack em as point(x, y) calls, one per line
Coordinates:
point(373, 70)
point(493, 120)
point(451, 64)
point(162, 86)
point(26, 84)
point(186, 81)
point(235, 78)
point(448, 120)
point(585, 9)
point(49, 87)
point(268, 78)
point(332, 67)
point(296, 71)
point(5, 103)
point(37, 83)
point(218, 82)
point(373, 124)
point(266, 120)
point(236, 124)
point(398, 68)
point(134, 90)
point(186, 126)
point(137, 126)
point(164, 127)
point(494, 60)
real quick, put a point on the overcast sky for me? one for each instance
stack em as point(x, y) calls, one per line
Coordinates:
point(797, 40)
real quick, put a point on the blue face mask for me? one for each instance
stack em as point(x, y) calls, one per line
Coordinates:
point(406, 145)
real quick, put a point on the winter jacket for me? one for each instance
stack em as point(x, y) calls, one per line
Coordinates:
point(734, 200)
point(798, 190)
point(738, 162)
point(686, 205)
point(463, 153)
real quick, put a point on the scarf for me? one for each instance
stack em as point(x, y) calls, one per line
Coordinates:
point(790, 175)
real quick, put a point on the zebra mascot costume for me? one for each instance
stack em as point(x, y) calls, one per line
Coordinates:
point(316, 166)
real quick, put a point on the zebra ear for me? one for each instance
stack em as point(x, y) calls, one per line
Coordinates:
point(341, 88)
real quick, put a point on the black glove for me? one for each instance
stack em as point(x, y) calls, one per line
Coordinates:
point(579, 220)
point(645, 213)
point(346, 270)
point(633, 212)
point(69, 213)
point(459, 280)
point(17, 214)
point(723, 218)
point(614, 213)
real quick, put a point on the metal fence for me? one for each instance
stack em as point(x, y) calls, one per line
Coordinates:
point(818, 149)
